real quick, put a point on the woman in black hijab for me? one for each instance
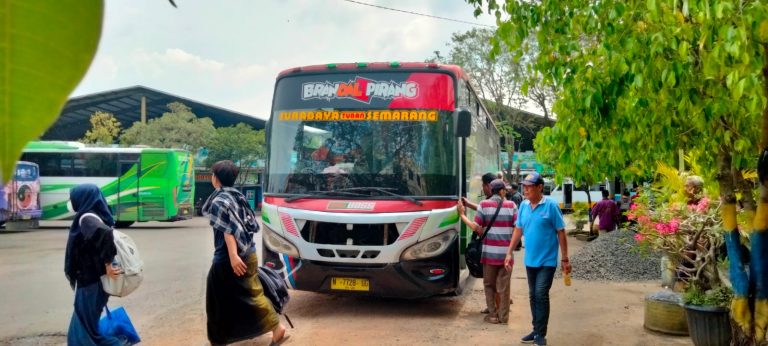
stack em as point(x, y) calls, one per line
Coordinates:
point(89, 255)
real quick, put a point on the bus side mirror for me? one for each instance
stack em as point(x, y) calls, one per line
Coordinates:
point(462, 123)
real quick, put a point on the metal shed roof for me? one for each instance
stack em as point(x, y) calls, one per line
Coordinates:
point(125, 104)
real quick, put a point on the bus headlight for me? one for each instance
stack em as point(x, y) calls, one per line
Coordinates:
point(430, 247)
point(278, 244)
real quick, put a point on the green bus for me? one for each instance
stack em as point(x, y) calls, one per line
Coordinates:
point(140, 184)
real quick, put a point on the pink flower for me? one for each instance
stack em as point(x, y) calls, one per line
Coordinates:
point(643, 219)
point(631, 216)
point(703, 205)
point(633, 206)
point(639, 237)
point(674, 225)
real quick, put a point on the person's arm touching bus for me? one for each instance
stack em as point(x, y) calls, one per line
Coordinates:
point(473, 226)
point(468, 204)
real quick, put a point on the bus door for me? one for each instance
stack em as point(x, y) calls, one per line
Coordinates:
point(127, 207)
point(155, 197)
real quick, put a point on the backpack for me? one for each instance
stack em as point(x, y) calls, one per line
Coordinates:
point(129, 260)
point(275, 290)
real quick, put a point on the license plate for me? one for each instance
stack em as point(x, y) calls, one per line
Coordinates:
point(350, 284)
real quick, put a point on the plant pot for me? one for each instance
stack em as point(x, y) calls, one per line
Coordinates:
point(708, 325)
point(665, 314)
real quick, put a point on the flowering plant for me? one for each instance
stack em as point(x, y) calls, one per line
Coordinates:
point(685, 227)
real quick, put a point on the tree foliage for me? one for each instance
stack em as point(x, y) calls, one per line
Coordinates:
point(241, 144)
point(642, 80)
point(503, 80)
point(179, 128)
point(104, 129)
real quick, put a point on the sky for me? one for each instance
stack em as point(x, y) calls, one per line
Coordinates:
point(228, 53)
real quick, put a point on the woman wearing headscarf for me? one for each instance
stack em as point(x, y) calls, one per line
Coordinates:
point(234, 299)
point(89, 255)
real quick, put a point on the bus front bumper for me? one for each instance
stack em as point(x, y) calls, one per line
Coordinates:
point(407, 279)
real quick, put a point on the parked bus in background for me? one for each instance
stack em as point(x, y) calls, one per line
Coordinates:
point(19, 202)
point(140, 184)
point(366, 163)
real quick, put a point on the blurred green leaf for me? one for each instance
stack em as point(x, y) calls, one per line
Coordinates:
point(45, 50)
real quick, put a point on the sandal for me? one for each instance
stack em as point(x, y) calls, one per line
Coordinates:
point(484, 311)
point(491, 319)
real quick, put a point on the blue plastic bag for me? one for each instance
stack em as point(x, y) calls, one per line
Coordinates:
point(116, 323)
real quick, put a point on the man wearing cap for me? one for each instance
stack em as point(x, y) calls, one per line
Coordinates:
point(539, 219)
point(496, 273)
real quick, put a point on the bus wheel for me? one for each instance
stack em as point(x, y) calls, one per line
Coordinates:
point(123, 224)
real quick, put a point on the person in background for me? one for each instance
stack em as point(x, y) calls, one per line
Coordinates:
point(89, 255)
point(694, 188)
point(539, 219)
point(515, 194)
point(607, 212)
point(235, 304)
point(496, 277)
point(624, 204)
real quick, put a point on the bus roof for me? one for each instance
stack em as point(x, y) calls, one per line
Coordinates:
point(62, 146)
point(362, 66)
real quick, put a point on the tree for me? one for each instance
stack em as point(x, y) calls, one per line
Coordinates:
point(503, 80)
point(37, 75)
point(104, 129)
point(179, 128)
point(241, 144)
point(643, 79)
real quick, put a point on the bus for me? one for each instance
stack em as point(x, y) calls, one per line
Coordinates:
point(19, 202)
point(140, 184)
point(366, 163)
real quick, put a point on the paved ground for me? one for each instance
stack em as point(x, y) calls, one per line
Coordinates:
point(168, 309)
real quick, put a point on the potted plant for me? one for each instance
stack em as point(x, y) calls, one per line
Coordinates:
point(707, 315)
point(580, 215)
point(684, 224)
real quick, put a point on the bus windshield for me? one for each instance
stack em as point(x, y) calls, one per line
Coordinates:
point(320, 141)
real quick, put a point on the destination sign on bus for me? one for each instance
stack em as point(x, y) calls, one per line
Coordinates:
point(360, 89)
point(371, 115)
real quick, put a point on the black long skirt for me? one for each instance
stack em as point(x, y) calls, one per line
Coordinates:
point(236, 306)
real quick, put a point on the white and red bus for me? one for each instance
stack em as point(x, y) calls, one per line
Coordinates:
point(366, 162)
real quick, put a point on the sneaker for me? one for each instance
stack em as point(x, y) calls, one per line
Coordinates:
point(528, 339)
point(540, 340)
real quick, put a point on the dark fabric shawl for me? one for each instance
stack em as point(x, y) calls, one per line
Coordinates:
point(90, 245)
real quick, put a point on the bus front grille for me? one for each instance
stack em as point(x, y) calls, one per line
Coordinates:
point(329, 233)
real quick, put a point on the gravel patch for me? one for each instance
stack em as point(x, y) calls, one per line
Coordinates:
point(615, 257)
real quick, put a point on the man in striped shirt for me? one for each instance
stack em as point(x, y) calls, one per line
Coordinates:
point(496, 277)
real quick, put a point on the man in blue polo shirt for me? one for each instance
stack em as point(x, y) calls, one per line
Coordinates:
point(539, 219)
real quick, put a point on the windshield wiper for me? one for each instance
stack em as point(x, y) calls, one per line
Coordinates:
point(317, 194)
point(384, 190)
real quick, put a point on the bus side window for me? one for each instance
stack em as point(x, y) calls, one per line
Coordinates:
point(65, 166)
